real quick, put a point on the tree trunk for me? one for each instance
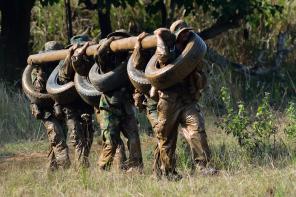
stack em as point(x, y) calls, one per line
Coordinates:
point(163, 12)
point(104, 7)
point(15, 34)
point(68, 14)
point(172, 11)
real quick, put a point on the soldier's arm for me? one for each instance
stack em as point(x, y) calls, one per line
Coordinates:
point(165, 49)
point(80, 61)
point(66, 71)
point(102, 54)
point(139, 55)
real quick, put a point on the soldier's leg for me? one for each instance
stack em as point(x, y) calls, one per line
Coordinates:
point(52, 162)
point(193, 128)
point(88, 131)
point(166, 133)
point(131, 132)
point(76, 136)
point(59, 154)
point(120, 156)
point(109, 124)
point(151, 113)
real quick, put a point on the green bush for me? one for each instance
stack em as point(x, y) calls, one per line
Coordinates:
point(16, 121)
point(290, 130)
point(253, 132)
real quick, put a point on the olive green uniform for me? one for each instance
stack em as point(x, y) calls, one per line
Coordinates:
point(58, 155)
point(78, 119)
point(117, 115)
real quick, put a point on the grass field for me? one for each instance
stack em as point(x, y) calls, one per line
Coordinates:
point(23, 159)
point(23, 173)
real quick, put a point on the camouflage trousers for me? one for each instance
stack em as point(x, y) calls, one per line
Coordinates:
point(81, 136)
point(59, 153)
point(172, 112)
point(112, 123)
point(81, 132)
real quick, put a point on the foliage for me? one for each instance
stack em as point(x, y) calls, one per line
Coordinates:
point(252, 133)
point(16, 121)
point(232, 10)
point(290, 130)
point(48, 2)
point(235, 123)
point(264, 123)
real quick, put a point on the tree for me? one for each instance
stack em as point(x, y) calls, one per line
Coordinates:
point(15, 33)
point(14, 36)
point(103, 7)
point(228, 14)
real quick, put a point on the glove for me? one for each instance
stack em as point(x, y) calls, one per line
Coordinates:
point(58, 111)
point(138, 99)
point(36, 112)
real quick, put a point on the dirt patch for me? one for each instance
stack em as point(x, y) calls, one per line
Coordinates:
point(22, 161)
point(21, 157)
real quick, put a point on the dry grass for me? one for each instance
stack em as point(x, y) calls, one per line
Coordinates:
point(23, 165)
point(22, 175)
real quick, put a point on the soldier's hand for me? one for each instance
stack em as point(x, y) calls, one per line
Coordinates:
point(36, 111)
point(139, 39)
point(72, 49)
point(105, 46)
point(81, 51)
point(138, 101)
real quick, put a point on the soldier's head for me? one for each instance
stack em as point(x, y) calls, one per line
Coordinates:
point(181, 30)
point(53, 45)
point(80, 39)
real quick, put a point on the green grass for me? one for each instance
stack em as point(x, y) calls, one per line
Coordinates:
point(23, 159)
point(16, 121)
point(21, 176)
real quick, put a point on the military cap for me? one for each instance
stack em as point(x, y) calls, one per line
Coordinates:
point(53, 45)
point(79, 39)
point(179, 26)
point(119, 33)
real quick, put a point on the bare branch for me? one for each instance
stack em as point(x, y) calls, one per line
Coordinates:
point(257, 68)
point(219, 27)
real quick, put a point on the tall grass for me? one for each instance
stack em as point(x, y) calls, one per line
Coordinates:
point(16, 121)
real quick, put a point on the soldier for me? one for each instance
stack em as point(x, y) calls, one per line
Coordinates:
point(78, 120)
point(116, 112)
point(145, 102)
point(58, 155)
point(177, 105)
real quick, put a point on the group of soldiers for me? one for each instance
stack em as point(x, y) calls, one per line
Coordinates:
point(166, 109)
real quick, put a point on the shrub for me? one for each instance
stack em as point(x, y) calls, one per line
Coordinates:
point(253, 132)
point(290, 130)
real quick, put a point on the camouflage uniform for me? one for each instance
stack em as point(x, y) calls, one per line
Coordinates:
point(117, 115)
point(58, 155)
point(177, 106)
point(78, 120)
